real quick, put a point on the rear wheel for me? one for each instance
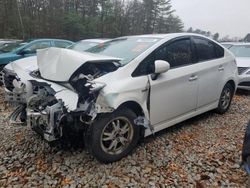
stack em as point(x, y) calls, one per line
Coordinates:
point(225, 99)
point(113, 136)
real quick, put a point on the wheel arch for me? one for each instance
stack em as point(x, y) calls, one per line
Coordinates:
point(134, 106)
point(232, 83)
point(138, 110)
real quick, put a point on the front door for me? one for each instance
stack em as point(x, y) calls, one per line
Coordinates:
point(174, 93)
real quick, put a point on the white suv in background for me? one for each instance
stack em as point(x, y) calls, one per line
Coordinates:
point(127, 88)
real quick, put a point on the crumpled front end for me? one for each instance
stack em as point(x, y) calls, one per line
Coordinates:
point(60, 104)
point(47, 122)
point(52, 113)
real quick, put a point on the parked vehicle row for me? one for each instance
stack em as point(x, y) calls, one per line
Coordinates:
point(123, 89)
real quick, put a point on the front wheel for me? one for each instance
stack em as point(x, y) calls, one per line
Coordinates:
point(113, 136)
point(225, 99)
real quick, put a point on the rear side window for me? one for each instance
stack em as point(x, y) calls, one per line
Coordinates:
point(39, 45)
point(205, 49)
point(61, 44)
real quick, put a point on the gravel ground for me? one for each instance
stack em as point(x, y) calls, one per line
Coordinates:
point(202, 152)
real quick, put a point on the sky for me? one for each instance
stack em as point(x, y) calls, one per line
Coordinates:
point(227, 17)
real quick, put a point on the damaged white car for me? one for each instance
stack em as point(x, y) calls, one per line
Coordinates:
point(125, 89)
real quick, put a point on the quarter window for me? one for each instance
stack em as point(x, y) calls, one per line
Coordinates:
point(219, 51)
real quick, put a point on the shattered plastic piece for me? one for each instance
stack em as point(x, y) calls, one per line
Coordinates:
point(140, 120)
point(18, 117)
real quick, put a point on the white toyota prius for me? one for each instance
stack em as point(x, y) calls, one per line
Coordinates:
point(125, 89)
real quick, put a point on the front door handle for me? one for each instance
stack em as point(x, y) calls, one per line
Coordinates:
point(221, 68)
point(193, 78)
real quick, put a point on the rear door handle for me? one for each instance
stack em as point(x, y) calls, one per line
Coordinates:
point(221, 68)
point(193, 78)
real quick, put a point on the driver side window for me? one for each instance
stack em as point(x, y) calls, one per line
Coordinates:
point(38, 45)
point(177, 54)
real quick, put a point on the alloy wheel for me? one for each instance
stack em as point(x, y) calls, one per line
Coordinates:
point(225, 98)
point(117, 135)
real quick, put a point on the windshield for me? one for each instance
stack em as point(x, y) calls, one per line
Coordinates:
point(82, 46)
point(125, 48)
point(241, 51)
point(227, 45)
point(10, 47)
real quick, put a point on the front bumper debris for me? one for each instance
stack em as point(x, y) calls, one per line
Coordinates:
point(47, 122)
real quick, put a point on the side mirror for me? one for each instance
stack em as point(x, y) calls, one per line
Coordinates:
point(161, 66)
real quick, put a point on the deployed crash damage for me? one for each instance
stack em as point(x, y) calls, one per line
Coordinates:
point(58, 103)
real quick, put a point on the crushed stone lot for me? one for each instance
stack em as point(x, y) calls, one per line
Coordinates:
point(202, 152)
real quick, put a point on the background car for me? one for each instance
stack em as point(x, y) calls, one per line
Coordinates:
point(83, 45)
point(242, 54)
point(29, 49)
point(126, 88)
point(8, 41)
point(8, 47)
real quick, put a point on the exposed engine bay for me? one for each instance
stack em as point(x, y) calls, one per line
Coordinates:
point(47, 115)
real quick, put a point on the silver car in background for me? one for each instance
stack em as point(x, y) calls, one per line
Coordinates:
point(242, 54)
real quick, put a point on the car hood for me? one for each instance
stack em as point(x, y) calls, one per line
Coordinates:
point(57, 64)
point(243, 61)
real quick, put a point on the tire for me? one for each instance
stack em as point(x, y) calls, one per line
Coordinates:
point(225, 99)
point(116, 131)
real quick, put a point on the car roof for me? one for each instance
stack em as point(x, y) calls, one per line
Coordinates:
point(31, 41)
point(99, 40)
point(167, 35)
point(45, 39)
point(241, 44)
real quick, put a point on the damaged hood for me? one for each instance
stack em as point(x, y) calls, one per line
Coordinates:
point(57, 64)
point(70, 98)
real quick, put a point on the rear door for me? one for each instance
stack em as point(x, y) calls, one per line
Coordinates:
point(210, 70)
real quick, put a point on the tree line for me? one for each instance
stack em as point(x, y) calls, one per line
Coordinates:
point(209, 34)
point(79, 19)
